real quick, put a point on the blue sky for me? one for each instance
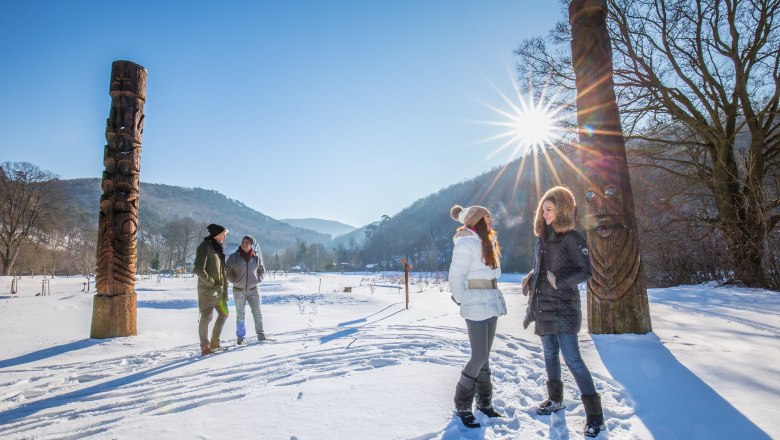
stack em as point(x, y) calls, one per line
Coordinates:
point(343, 110)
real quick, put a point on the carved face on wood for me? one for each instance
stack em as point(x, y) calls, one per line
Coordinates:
point(607, 208)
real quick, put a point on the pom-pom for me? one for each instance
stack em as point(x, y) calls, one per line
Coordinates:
point(455, 212)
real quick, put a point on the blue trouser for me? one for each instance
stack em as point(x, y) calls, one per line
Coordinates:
point(566, 343)
point(253, 298)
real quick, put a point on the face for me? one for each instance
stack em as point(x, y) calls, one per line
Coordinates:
point(489, 222)
point(246, 245)
point(549, 211)
point(607, 206)
point(221, 236)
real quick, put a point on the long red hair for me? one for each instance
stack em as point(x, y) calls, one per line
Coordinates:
point(491, 250)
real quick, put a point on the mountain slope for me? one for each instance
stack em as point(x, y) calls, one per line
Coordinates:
point(330, 227)
point(161, 203)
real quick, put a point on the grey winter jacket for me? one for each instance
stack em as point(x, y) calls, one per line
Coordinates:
point(558, 310)
point(245, 275)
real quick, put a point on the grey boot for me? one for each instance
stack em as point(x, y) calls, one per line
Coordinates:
point(485, 394)
point(554, 400)
point(464, 397)
point(594, 417)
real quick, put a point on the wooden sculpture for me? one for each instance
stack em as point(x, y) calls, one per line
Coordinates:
point(114, 306)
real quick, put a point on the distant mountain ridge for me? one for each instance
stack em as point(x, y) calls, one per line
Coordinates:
point(330, 227)
point(161, 203)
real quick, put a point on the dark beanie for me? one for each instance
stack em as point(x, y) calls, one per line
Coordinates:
point(215, 229)
point(250, 239)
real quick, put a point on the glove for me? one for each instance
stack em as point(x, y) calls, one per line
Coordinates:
point(551, 279)
point(526, 283)
point(529, 317)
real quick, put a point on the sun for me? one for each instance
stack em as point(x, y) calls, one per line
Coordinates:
point(528, 124)
point(534, 126)
point(531, 127)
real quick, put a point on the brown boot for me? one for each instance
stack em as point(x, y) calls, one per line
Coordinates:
point(594, 416)
point(554, 401)
point(464, 398)
point(205, 349)
point(484, 395)
point(215, 345)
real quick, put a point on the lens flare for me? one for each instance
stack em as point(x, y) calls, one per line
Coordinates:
point(532, 125)
point(529, 127)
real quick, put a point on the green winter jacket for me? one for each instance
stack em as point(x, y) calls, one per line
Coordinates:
point(210, 270)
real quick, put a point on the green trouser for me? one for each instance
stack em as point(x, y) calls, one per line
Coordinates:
point(208, 301)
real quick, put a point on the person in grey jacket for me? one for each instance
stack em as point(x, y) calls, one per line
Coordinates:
point(473, 277)
point(245, 270)
point(561, 262)
point(212, 286)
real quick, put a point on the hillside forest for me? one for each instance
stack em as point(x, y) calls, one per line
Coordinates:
point(60, 237)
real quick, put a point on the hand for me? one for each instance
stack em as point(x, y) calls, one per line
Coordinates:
point(525, 287)
point(551, 279)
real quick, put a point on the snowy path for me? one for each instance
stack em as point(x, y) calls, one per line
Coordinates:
point(350, 366)
point(102, 395)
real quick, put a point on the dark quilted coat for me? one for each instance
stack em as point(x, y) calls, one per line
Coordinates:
point(566, 255)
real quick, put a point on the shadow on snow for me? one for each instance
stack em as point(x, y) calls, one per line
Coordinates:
point(48, 352)
point(690, 409)
point(352, 330)
point(83, 394)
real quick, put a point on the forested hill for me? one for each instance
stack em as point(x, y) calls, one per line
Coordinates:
point(424, 230)
point(162, 203)
point(331, 227)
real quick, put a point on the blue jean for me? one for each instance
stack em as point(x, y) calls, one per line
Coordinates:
point(567, 344)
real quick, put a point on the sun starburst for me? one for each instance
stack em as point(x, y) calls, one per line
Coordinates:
point(531, 126)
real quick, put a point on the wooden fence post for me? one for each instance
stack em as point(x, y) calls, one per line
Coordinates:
point(407, 268)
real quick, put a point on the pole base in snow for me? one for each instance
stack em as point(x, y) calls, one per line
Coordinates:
point(114, 316)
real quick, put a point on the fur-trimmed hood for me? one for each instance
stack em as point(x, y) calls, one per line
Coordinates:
point(566, 209)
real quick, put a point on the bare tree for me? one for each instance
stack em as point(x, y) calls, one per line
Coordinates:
point(81, 243)
point(27, 197)
point(698, 85)
point(180, 235)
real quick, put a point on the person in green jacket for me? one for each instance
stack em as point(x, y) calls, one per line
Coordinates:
point(212, 287)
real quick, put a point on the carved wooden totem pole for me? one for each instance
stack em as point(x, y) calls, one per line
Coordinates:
point(114, 306)
point(617, 297)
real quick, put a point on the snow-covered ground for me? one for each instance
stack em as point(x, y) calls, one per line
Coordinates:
point(360, 365)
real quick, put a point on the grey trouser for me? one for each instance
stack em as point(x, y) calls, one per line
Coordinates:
point(481, 335)
point(253, 298)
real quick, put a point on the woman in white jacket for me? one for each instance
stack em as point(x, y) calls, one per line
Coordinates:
point(473, 276)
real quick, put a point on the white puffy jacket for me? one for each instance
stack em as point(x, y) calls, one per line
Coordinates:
point(467, 264)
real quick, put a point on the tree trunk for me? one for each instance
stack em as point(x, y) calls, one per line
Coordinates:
point(742, 219)
point(114, 307)
point(617, 297)
point(9, 259)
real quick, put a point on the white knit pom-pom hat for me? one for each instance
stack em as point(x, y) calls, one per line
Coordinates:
point(468, 216)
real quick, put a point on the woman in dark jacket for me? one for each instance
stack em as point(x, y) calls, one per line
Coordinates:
point(212, 287)
point(561, 262)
